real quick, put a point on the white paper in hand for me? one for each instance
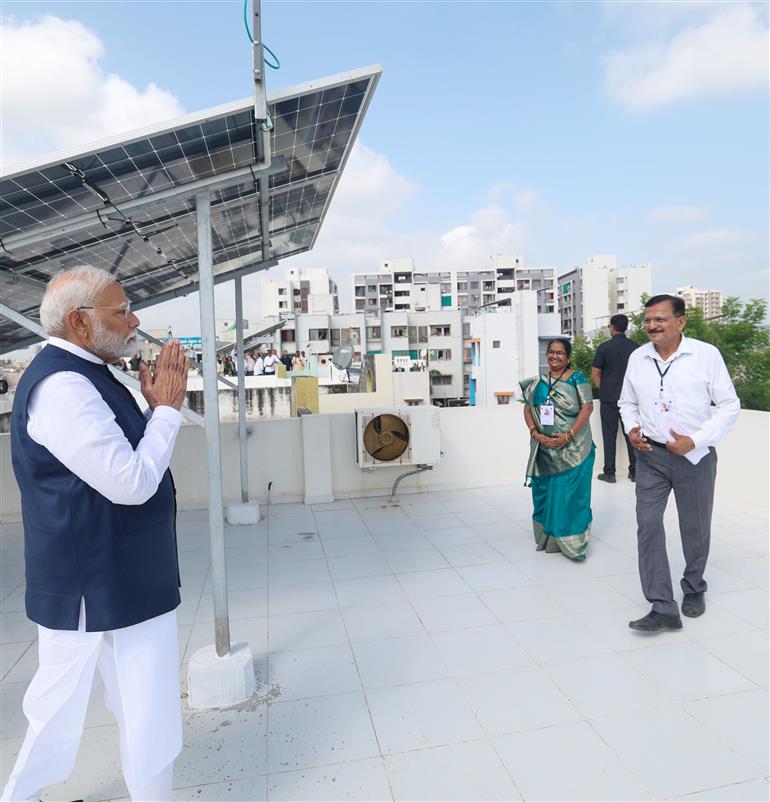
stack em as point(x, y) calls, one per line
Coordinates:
point(666, 420)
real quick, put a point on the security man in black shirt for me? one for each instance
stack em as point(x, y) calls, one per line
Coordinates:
point(609, 368)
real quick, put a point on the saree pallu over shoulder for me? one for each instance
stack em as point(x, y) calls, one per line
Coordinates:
point(568, 397)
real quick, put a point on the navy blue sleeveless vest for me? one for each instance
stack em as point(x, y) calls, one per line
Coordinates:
point(122, 559)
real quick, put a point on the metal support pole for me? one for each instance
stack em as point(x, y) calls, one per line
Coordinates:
point(242, 434)
point(211, 404)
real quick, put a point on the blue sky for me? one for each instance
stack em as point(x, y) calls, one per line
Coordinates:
point(552, 130)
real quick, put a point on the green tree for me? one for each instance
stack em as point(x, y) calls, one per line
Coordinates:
point(740, 333)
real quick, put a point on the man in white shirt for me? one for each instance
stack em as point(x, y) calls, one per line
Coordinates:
point(259, 365)
point(100, 543)
point(677, 403)
point(249, 363)
point(271, 360)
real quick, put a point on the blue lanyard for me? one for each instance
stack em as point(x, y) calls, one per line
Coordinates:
point(662, 373)
point(552, 385)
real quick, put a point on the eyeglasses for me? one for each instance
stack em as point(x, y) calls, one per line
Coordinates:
point(124, 308)
point(658, 321)
point(556, 353)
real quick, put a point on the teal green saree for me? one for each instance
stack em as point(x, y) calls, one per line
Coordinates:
point(561, 477)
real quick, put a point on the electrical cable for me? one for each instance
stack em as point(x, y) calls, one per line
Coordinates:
point(277, 64)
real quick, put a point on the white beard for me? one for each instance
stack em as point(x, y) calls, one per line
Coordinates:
point(111, 345)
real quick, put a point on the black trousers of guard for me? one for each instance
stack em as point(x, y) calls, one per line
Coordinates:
point(610, 420)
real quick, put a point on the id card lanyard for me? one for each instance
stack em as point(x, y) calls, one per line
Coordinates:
point(547, 411)
point(662, 373)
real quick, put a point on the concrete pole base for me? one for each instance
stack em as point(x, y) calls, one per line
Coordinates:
point(214, 681)
point(239, 514)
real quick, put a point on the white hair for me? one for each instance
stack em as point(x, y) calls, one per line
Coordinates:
point(69, 290)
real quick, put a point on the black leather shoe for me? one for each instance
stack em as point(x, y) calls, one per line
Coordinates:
point(655, 622)
point(607, 477)
point(693, 604)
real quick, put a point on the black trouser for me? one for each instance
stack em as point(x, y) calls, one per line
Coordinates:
point(610, 419)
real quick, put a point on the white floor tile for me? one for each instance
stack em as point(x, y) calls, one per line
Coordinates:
point(455, 536)
point(463, 771)
point(671, 752)
point(754, 790)
point(368, 591)
point(750, 604)
point(603, 685)
point(290, 552)
point(319, 731)
point(302, 598)
point(426, 559)
point(479, 650)
point(353, 780)
point(306, 630)
point(427, 523)
point(521, 604)
point(584, 594)
point(248, 630)
point(398, 661)
point(298, 573)
point(313, 672)
point(552, 640)
point(494, 576)
point(685, 671)
point(421, 715)
point(359, 565)
point(402, 541)
point(470, 554)
point(568, 761)
point(15, 627)
point(253, 790)
point(746, 652)
point(453, 612)
point(516, 700)
point(424, 584)
point(349, 546)
point(379, 621)
point(11, 653)
point(741, 720)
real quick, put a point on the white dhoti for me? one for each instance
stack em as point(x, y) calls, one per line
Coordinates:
point(139, 668)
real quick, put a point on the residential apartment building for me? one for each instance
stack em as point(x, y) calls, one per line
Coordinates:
point(310, 291)
point(399, 287)
point(507, 344)
point(590, 294)
point(708, 301)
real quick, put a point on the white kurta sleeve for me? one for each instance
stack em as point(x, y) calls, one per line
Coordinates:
point(67, 415)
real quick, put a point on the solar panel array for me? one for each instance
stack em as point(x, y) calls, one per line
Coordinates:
point(154, 251)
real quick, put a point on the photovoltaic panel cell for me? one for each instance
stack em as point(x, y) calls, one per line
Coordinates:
point(314, 127)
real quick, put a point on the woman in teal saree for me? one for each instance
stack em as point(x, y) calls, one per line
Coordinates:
point(561, 458)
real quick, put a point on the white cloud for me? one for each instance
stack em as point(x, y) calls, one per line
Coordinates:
point(675, 213)
point(726, 53)
point(57, 95)
point(711, 239)
point(372, 218)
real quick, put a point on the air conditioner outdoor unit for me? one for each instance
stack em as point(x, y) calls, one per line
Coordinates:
point(394, 436)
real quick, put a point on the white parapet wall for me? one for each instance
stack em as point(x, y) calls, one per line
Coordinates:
point(482, 446)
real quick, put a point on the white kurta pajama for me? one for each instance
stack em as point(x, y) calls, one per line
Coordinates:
point(137, 665)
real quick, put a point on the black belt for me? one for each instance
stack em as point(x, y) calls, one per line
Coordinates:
point(656, 443)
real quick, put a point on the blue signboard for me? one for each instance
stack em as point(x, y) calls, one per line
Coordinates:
point(189, 342)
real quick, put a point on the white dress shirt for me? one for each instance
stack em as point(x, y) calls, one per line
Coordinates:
point(259, 366)
point(696, 378)
point(67, 415)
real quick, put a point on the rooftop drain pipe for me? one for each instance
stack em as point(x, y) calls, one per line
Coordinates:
point(418, 469)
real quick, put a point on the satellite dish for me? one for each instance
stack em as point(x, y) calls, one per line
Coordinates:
point(386, 437)
point(342, 357)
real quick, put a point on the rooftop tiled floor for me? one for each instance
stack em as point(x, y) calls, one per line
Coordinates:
point(426, 651)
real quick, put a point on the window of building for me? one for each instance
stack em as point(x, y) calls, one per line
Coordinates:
point(495, 343)
point(386, 289)
point(288, 336)
point(462, 286)
point(352, 335)
point(422, 334)
point(360, 292)
point(440, 353)
point(297, 291)
point(503, 398)
point(489, 286)
point(282, 290)
point(360, 304)
point(372, 302)
point(336, 339)
point(438, 379)
point(412, 334)
point(373, 332)
point(401, 307)
point(440, 331)
point(282, 304)
point(413, 402)
point(372, 288)
point(314, 335)
point(474, 285)
point(401, 293)
point(621, 306)
point(398, 331)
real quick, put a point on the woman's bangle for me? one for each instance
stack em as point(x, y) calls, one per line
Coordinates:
point(572, 432)
point(532, 430)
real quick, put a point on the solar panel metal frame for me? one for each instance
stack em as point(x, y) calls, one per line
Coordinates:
point(279, 187)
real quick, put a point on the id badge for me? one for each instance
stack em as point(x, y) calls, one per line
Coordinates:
point(664, 406)
point(547, 416)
